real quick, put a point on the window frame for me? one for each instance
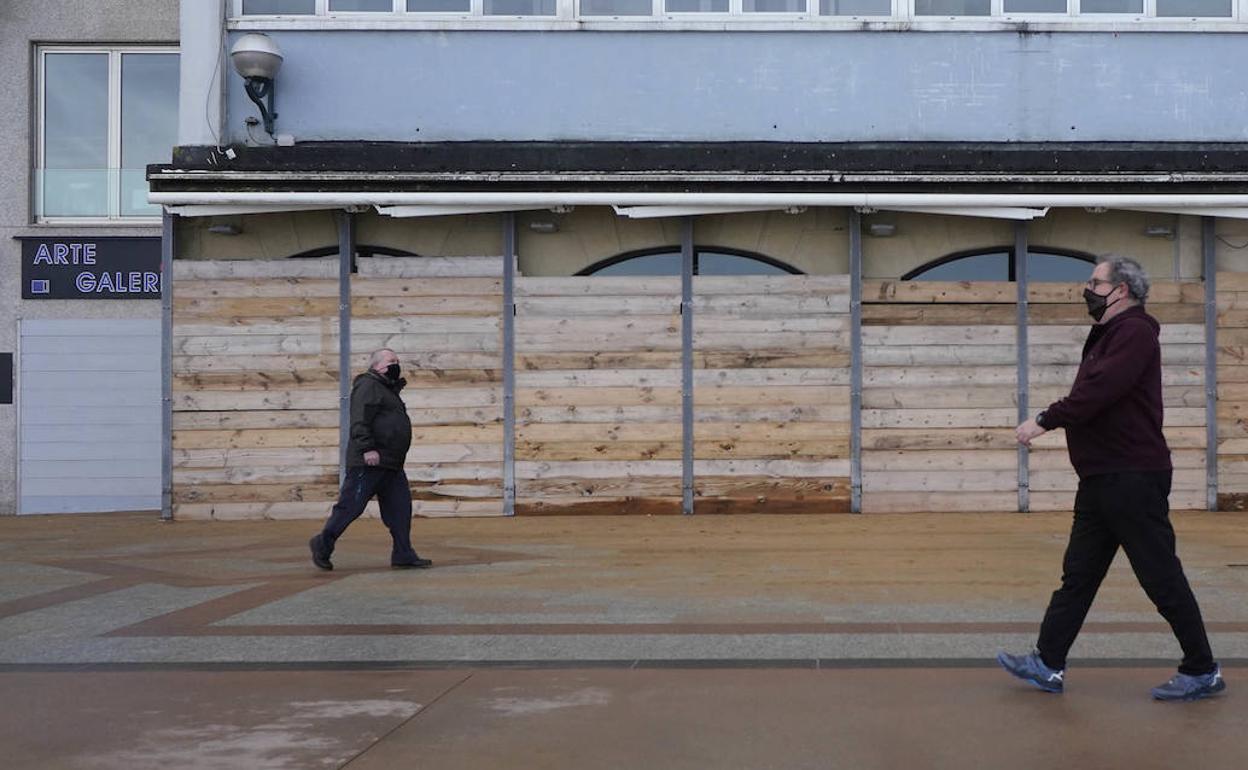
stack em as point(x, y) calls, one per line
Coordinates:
point(698, 250)
point(901, 16)
point(1011, 266)
point(37, 191)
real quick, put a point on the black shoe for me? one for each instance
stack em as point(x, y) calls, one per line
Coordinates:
point(319, 557)
point(412, 562)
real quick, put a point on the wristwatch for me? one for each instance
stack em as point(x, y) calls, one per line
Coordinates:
point(1040, 420)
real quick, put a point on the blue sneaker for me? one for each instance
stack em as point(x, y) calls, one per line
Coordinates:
point(1030, 668)
point(1188, 687)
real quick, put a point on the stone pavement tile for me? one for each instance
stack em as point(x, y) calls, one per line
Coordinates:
point(201, 720)
point(862, 719)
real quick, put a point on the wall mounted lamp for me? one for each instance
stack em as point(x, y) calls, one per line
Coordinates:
point(881, 229)
point(257, 59)
point(1159, 231)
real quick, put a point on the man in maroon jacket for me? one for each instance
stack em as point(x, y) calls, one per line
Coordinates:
point(1113, 419)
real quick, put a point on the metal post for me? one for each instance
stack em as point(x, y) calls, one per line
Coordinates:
point(509, 364)
point(855, 361)
point(1024, 365)
point(1210, 268)
point(686, 363)
point(168, 231)
point(346, 254)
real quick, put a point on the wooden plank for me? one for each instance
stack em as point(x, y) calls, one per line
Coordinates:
point(1191, 292)
point(659, 414)
point(255, 345)
point(766, 488)
point(892, 314)
point(245, 439)
point(707, 395)
point(772, 468)
point(281, 457)
point(531, 490)
point(196, 269)
point(984, 397)
point(269, 418)
point(951, 376)
point(940, 481)
point(672, 450)
point(771, 305)
point(257, 380)
point(480, 288)
point(599, 470)
point(226, 400)
point(262, 493)
point(259, 307)
point(579, 506)
point(1176, 438)
point(256, 474)
point(568, 286)
point(429, 267)
point(191, 364)
point(1189, 334)
point(402, 344)
point(771, 284)
point(420, 472)
point(598, 378)
point(939, 502)
point(943, 460)
point(391, 307)
point(939, 418)
point(899, 439)
point(1165, 312)
point(938, 335)
point(530, 308)
point(1232, 281)
point(783, 506)
point(977, 292)
point(940, 355)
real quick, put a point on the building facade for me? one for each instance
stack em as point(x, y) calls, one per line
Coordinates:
point(90, 98)
point(716, 255)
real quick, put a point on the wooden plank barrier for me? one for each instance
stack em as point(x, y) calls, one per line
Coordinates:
point(256, 381)
point(771, 394)
point(938, 403)
point(598, 411)
point(255, 388)
point(1232, 357)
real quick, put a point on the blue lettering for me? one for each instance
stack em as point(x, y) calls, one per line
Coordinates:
point(59, 253)
point(42, 255)
point(85, 282)
point(151, 282)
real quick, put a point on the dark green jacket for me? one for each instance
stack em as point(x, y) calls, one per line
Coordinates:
point(379, 421)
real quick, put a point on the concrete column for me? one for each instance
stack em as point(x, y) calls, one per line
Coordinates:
point(203, 66)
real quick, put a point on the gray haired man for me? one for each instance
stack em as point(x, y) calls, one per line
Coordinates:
point(1113, 419)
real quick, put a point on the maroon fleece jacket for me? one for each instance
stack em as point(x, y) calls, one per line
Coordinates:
point(1113, 414)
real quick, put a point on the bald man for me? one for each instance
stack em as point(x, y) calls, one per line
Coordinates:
point(381, 434)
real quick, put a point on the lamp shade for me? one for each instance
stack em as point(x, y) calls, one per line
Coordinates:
point(256, 56)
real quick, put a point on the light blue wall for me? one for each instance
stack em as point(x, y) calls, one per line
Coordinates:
point(764, 86)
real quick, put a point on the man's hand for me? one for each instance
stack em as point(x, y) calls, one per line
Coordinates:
point(1027, 431)
point(372, 457)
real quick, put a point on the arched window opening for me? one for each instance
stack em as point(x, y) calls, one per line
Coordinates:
point(706, 261)
point(1000, 265)
point(361, 250)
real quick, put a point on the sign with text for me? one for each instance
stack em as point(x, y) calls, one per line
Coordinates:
point(91, 268)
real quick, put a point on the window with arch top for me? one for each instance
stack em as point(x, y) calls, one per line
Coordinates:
point(1000, 265)
point(706, 261)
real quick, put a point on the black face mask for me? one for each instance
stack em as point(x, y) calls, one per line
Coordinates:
point(392, 371)
point(1097, 303)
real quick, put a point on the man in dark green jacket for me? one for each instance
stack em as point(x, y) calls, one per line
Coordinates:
point(381, 434)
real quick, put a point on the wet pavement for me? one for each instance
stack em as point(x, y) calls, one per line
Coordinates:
point(614, 642)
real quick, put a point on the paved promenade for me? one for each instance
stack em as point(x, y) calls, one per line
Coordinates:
point(615, 642)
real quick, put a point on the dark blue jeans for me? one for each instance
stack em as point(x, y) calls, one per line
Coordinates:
point(394, 496)
point(1131, 510)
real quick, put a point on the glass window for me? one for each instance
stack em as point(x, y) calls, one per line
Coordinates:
point(1194, 8)
point(275, 7)
point(1111, 6)
point(359, 6)
point(697, 6)
point(94, 151)
point(616, 7)
point(149, 123)
point(999, 266)
point(75, 135)
point(439, 6)
point(856, 8)
point(1035, 6)
point(520, 7)
point(704, 263)
point(773, 6)
point(952, 7)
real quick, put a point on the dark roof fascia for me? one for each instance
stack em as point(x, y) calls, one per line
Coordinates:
point(691, 166)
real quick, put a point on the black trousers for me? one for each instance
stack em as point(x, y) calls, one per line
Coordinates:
point(1131, 510)
point(394, 496)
